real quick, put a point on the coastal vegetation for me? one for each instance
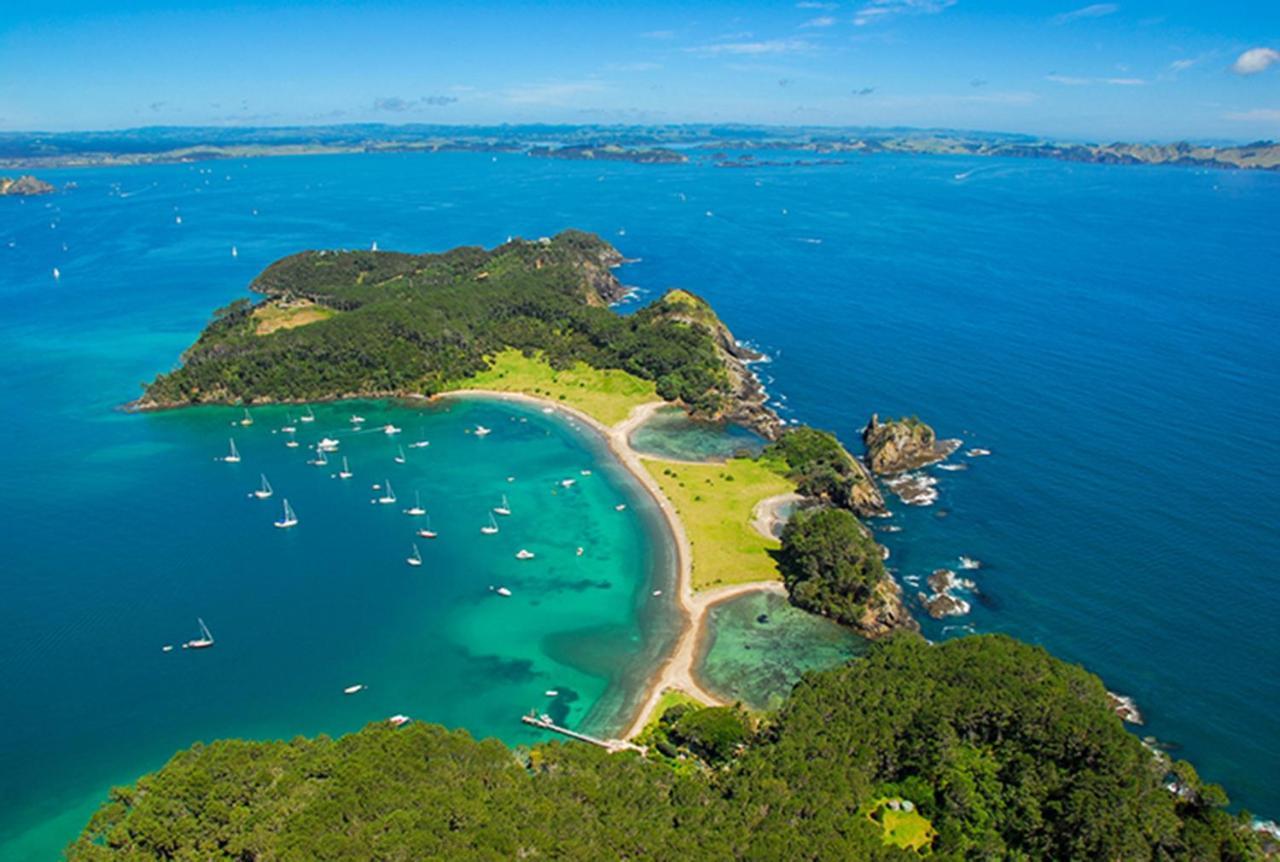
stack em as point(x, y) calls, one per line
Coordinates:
point(1002, 751)
point(830, 564)
point(606, 394)
point(715, 504)
point(24, 186)
point(421, 324)
point(823, 469)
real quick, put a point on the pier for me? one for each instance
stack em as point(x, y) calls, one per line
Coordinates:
point(610, 745)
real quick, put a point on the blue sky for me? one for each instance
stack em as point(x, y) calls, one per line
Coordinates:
point(1070, 69)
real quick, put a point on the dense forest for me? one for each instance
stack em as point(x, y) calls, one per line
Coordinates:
point(395, 324)
point(830, 564)
point(986, 747)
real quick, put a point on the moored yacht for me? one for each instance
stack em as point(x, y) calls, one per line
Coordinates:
point(234, 456)
point(490, 528)
point(416, 510)
point(426, 532)
point(290, 519)
point(327, 444)
point(414, 559)
point(522, 554)
point(309, 416)
point(247, 420)
point(390, 429)
point(399, 458)
point(204, 641)
point(265, 491)
point(482, 431)
point(504, 509)
point(345, 472)
point(388, 495)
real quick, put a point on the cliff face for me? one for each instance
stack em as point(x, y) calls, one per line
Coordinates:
point(24, 186)
point(748, 406)
point(897, 445)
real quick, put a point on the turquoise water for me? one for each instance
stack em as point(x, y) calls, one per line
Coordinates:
point(1107, 332)
point(759, 647)
point(670, 433)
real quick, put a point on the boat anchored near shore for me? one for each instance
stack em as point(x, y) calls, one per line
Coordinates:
point(233, 457)
point(290, 518)
point(266, 490)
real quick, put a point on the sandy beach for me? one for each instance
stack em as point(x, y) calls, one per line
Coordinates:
point(677, 670)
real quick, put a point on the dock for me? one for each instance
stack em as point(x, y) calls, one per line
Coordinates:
point(610, 745)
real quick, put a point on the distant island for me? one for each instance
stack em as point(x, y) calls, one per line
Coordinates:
point(727, 146)
point(979, 747)
point(24, 186)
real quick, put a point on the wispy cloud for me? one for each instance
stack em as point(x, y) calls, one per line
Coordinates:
point(1257, 115)
point(753, 48)
point(1096, 10)
point(1074, 81)
point(397, 105)
point(1255, 60)
point(881, 10)
point(551, 92)
point(820, 21)
point(816, 4)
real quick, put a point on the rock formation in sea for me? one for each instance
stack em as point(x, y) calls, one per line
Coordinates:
point(898, 445)
point(943, 602)
point(24, 186)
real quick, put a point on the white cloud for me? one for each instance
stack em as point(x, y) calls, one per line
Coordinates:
point(1096, 10)
point(820, 21)
point(880, 10)
point(1257, 115)
point(1182, 65)
point(766, 46)
point(1255, 60)
point(813, 4)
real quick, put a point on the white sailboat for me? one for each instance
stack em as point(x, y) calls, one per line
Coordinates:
point(320, 460)
point(291, 443)
point(234, 456)
point(415, 559)
point(504, 509)
point(247, 420)
point(309, 416)
point(357, 420)
point(204, 641)
point(399, 459)
point(289, 429)
point(416, 510)
point(388, 496)
point(265, 491)
point(426, 532)
point(290, 518)
point(490, 528)
point(345, 472)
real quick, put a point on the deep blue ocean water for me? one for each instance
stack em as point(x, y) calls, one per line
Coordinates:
point(1107, 332)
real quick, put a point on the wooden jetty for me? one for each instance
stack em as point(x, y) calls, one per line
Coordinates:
point(610, 745)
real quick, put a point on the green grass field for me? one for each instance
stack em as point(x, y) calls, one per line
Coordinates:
point(715, 501)
point(607, 395)
point(909, 830)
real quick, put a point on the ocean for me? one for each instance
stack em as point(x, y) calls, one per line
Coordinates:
point(1106, 332)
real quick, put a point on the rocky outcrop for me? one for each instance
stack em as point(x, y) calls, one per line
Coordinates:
point(885, 612)
point(1124, 706)
point(898, 445)
point(24, 186)
point(748, 405)
point(943, 602)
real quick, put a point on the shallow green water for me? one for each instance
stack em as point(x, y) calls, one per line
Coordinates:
point(758, 660)
point(670, 433)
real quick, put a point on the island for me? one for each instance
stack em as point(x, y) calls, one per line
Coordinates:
point(611, 153)
point(979, 747)
point(24, 186)
point(898, 445)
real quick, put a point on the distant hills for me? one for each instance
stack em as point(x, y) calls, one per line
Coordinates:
point(723, 145)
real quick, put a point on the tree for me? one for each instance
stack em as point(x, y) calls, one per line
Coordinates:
point(829, 563)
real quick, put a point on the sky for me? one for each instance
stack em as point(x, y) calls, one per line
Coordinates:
point(1070, 70)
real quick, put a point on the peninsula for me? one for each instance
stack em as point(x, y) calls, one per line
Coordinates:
point(979, 747)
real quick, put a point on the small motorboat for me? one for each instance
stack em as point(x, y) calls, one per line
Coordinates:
point(482, 431)
point(357, 420)
point(568, 483)
point(354, 689)
point(619, 507)
point(390, 429)
point(327, 444)
point(522, 554)
point(503, 591)
point(398, 720)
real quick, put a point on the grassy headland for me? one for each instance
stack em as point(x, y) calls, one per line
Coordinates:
point(715, 503)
